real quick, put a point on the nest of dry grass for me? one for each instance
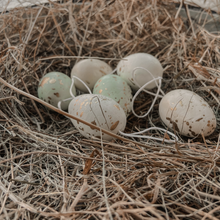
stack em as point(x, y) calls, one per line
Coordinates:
point(49, 171)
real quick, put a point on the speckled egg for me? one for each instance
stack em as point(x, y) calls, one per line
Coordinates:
point(126, 66)
point(115, 87)
point(98, 110)
point(55, 87)
point(187, 113)
point(89, 71)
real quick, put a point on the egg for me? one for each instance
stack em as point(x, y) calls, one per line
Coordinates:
point(55, 87)
point(187, 113)
point(89, 71)
point(126, 66)
point(115, 87)
point(99, 110)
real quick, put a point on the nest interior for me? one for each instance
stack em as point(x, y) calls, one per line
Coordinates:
point(49, 171)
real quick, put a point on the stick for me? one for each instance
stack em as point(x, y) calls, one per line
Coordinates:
point(69, 115)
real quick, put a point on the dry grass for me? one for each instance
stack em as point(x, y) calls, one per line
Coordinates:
point(49, 171)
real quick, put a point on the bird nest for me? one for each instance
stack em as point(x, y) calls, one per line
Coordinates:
point(49, 170)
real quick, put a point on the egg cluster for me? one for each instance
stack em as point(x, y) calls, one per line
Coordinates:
point(182, 111)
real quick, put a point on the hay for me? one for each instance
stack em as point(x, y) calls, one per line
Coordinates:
point(49, 171)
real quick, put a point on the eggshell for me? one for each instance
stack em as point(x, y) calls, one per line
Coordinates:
point(187, 113)
point(115, 87)
point(98, 110)
point(54, 87)
point(89, 71)
point(144, 60)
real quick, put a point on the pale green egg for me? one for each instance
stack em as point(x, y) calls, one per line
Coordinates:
point(55, 87)
point(115, 87)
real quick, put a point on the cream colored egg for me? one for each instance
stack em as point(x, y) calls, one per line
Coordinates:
point(128, 64)
point(89, 71)
point(55, 87)
point(187, 113)
point(98, 110)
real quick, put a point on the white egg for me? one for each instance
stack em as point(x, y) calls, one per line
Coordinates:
point(128, 64)
point(89, 71)
point(187, 113)
point(55, 87)
point(99, 110)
